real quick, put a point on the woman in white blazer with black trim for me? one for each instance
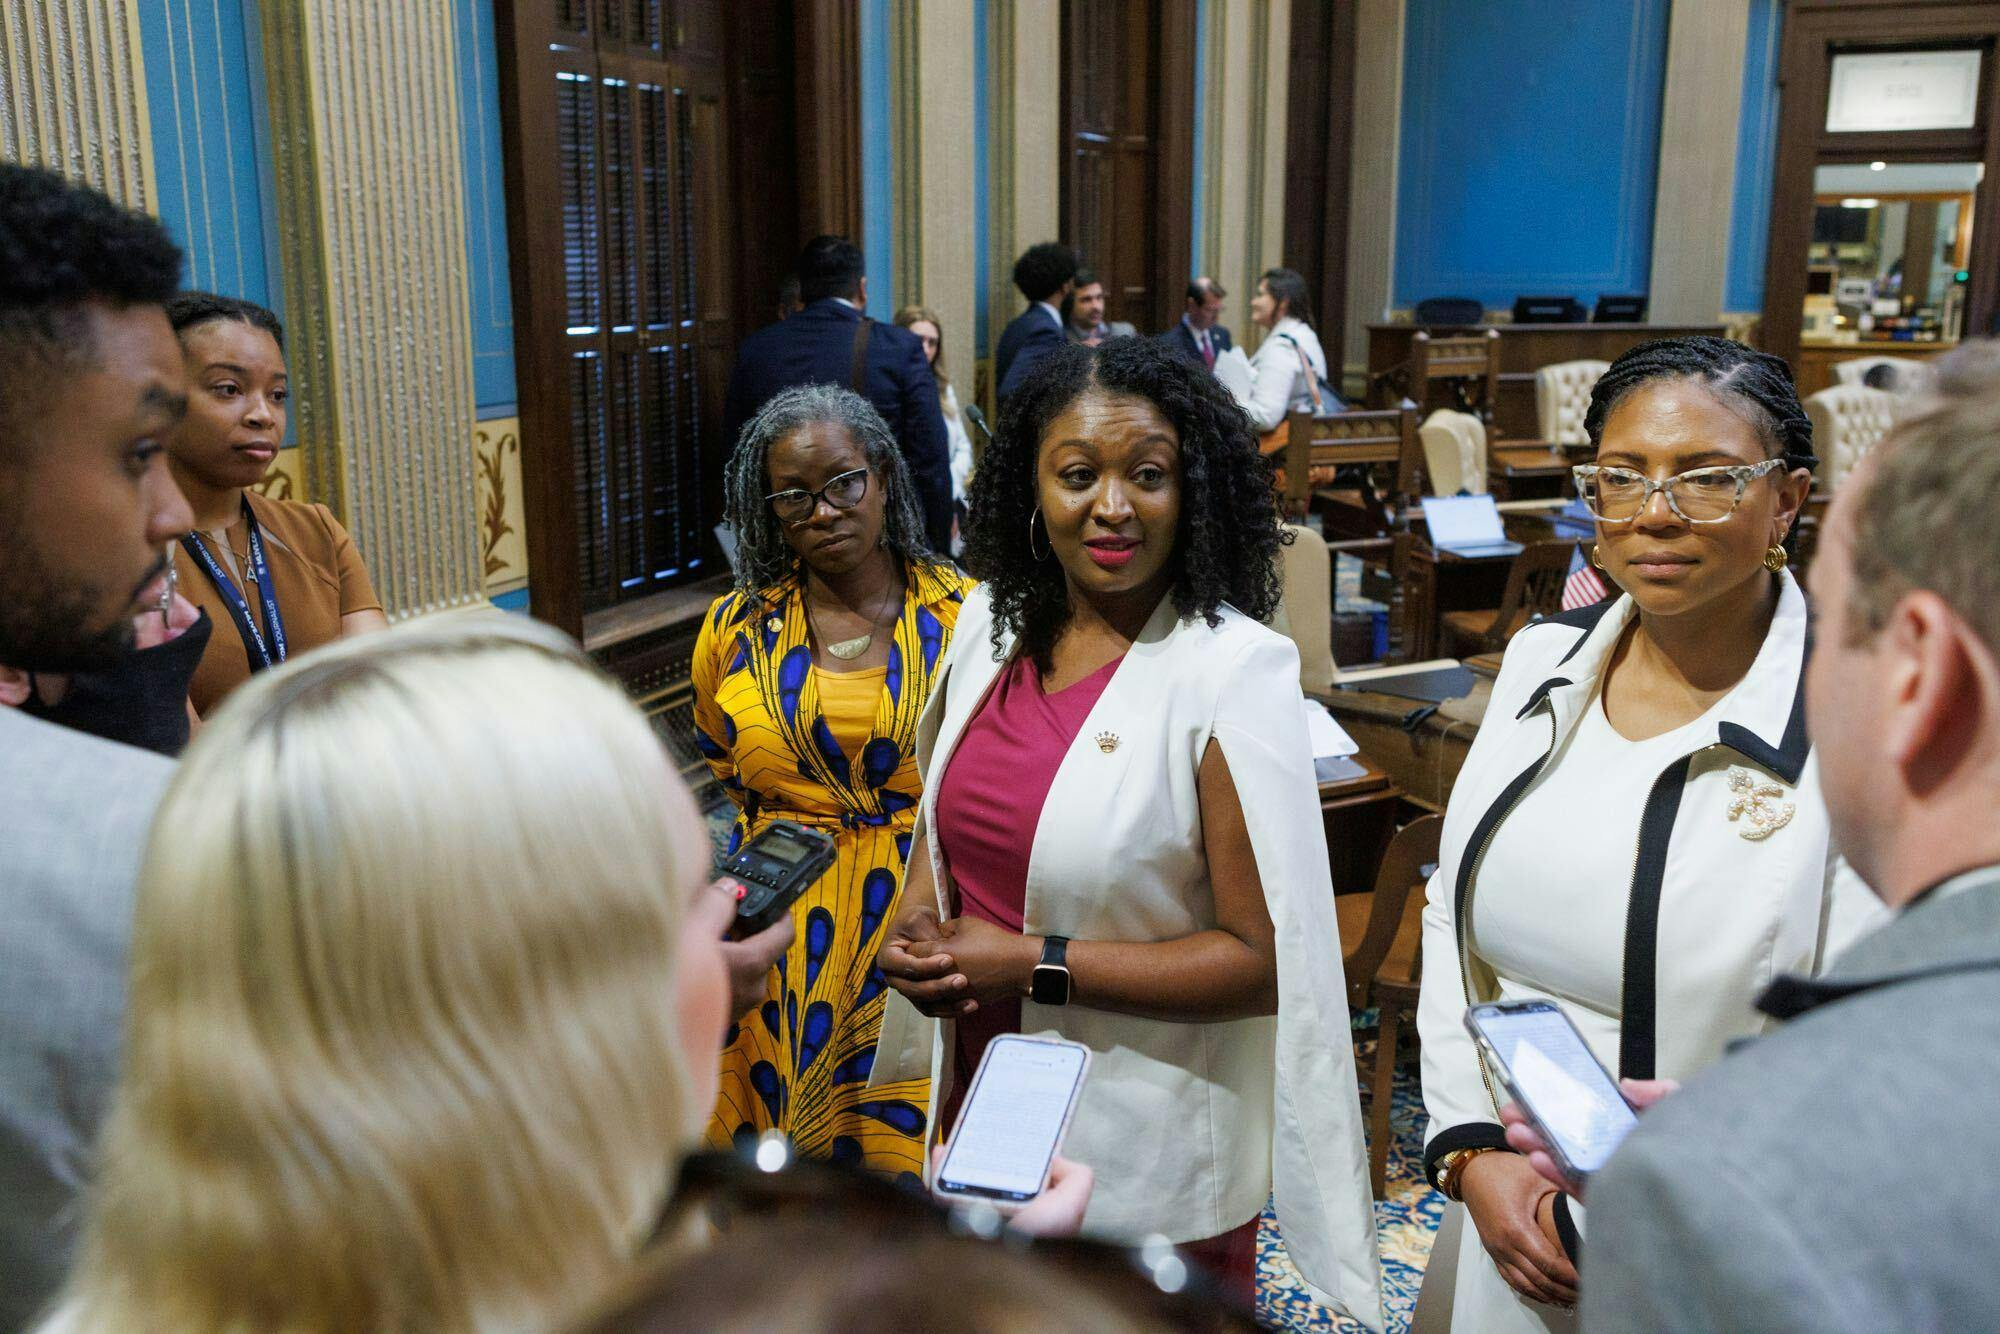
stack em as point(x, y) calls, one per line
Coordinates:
point(1120, 840)
point(1637, 833)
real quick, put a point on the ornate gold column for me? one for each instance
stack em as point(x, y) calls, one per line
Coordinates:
point(371, 220)
point(936, 236)
point(1707, 41)
point(73, 93)
point(1024, 146)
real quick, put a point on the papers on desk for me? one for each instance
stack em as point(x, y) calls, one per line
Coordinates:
point(1233, 369)
point(1327, 736)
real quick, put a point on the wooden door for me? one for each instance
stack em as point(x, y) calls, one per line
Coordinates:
point(649, 228)
point(1128, 132)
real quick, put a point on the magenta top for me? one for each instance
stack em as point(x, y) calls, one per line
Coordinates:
point(989, 803)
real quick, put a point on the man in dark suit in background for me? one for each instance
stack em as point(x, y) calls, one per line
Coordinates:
point(1199, 336)
point(1045, 275)
point(831, 341)
point(1086, 313)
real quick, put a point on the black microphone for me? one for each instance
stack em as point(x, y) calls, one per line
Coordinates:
point(978, 418)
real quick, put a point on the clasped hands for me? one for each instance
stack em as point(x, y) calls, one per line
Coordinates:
point(947, 968)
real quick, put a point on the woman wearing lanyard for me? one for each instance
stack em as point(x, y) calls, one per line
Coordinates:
point(276, 576)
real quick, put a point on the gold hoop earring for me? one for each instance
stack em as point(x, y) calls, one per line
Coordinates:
point(1048, 550)
point(1596, 556)
point(1776, 558)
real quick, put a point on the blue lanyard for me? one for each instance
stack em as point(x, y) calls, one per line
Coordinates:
point(262, 653)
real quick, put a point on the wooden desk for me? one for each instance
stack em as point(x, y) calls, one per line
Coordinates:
point(1435, 582)
point(1531, 471)
point(1421, 760)
point(1360, 816)
point(1525, 349)
point(1817, 360)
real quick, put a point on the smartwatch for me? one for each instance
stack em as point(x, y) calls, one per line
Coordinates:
point(1050, 982)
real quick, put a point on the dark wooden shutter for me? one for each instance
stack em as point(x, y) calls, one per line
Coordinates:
point(618, 173)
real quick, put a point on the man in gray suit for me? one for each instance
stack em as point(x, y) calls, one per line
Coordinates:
point(91, 381)
point(1837, 1174)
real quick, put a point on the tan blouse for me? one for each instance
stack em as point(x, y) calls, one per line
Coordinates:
point(315, 570)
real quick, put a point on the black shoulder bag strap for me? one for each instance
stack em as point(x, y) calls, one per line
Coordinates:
point(859, 375)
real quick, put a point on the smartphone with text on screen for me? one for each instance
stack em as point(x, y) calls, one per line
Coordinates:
point(1013, 1120)
point(1572, 1100)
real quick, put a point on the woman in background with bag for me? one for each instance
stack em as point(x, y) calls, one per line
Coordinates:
point(1290, 366)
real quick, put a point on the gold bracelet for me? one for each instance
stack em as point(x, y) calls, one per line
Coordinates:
point(1454, 1168)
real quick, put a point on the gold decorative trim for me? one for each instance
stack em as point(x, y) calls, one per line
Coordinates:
point(73, 94)
point(365, 117)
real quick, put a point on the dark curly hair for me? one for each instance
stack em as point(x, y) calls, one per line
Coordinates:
point(62, 245)
point(191, 310)
point(1226, 545)
point(1042, 269)
point(1757, 380)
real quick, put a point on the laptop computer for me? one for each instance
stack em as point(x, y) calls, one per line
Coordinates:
point(1467, 526)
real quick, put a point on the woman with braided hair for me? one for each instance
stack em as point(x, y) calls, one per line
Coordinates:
point(1637, 833)
point(809, 678)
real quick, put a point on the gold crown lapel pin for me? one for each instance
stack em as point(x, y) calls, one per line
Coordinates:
point(1107, 742)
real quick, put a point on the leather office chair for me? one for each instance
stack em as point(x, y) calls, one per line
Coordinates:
point(1847, 421)
point(1305, 607)
point(1454, 453)
point(1382, 933)
point(1562, 398)
point(1909, 373)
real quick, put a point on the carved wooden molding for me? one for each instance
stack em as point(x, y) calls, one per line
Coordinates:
point(73, 94)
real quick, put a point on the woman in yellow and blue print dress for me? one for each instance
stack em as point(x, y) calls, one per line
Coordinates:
point(809, 678)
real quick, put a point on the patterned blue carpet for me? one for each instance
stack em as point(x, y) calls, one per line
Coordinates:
point(1405, 1222)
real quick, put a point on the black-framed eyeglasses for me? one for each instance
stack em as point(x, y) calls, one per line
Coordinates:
point(843, 492)
point(1702, 495)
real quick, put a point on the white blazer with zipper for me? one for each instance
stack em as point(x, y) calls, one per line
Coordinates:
point(1190, 1127)
point(1711, 915)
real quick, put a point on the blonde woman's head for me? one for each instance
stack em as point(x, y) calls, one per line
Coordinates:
point(425, 998)
point(929, 329)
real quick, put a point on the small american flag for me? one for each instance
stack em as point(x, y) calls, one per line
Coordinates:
point(1585, 587)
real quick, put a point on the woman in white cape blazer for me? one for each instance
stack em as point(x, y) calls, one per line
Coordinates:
point(1189, 1126)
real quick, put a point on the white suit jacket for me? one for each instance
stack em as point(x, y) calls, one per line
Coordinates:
point(1279, 385)
point(1714, 910)
point(1189, 1126)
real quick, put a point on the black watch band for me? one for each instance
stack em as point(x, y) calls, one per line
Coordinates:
point(1049, 984)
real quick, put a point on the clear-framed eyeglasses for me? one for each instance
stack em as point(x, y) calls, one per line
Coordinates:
point(843, 492)
point(1701, 495)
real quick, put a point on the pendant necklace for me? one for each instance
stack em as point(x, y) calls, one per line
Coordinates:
point(847, 649)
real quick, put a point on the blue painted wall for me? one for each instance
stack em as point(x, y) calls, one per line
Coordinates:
point(1530, 147)
point(485, 211)
point(877, 182)
point(1756, 151)
point(205, 95)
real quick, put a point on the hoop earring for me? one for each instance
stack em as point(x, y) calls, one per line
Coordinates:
point(1596, 556)
point(1776, 558)
point(1048, 550)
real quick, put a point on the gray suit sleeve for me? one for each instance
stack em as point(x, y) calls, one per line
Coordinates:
point(1681, 1239)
